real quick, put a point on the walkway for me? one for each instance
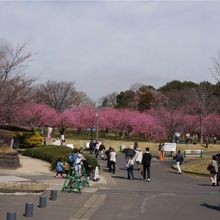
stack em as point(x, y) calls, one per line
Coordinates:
point(167, 196)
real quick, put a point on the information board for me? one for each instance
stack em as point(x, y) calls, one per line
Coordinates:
point(169, 147)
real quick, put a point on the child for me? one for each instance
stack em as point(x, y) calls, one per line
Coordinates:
point(59, 168)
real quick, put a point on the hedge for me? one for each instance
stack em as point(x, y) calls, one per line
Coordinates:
point(51, 154)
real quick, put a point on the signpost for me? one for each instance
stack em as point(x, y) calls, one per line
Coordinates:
point(171, 147)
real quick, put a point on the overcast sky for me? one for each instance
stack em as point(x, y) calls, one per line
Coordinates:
point(106, 46)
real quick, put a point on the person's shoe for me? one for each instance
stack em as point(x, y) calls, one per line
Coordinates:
point(148, 180)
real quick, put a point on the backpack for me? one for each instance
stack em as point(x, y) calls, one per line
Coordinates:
point(72, 158)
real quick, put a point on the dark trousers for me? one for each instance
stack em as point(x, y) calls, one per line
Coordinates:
point(130, 172)
point(59, 172)
point(108, 163)
point(146, 168)
point(112, 166)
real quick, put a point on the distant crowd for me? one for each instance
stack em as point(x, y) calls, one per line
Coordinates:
point(134, 157)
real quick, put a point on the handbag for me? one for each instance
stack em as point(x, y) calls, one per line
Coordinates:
point(211, 168)
point(129, 163)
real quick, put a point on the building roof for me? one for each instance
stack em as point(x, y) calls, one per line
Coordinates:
point(15, 128)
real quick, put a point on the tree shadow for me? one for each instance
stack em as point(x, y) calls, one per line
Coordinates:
point(217, 208)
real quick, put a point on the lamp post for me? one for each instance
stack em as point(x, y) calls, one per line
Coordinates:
point(97, 124)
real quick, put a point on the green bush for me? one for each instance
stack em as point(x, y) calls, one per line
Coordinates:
point(91, 160)
point(52, 153)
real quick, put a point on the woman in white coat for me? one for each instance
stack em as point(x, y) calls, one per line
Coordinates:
point(138, 157)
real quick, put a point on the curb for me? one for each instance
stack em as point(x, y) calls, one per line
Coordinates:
point(191, 172)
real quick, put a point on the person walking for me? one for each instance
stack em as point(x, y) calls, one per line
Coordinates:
point(107, 153)
point(146, 162)
point(91, 146)
point(214, 171)
point(112, 159)
point(138, 157)
point(59, 168)
point(130, 168)
point(179, 160)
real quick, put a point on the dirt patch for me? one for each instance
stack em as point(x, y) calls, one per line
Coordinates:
point(12, 187)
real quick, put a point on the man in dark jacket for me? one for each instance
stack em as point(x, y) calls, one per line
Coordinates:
point(146, 162)
point(179, 160)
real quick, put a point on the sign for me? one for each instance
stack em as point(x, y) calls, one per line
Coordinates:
point(169, 147)
point(49, 132)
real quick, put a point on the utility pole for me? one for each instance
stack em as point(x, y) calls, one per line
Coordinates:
point(97, 123)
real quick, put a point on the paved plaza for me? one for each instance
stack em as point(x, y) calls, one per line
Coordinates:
point(167, 196)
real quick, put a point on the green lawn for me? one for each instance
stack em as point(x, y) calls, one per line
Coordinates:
point(191, 164)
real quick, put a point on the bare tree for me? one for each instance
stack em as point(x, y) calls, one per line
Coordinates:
point(136, 86)
point(59, 95)
point(108, 100)
point(15, 87)
point(83, 99)
point(203, 104)
point(215, 70)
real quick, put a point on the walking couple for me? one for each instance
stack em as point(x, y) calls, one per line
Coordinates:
point(146, 162)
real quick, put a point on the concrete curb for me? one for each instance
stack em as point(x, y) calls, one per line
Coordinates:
point(190, 172)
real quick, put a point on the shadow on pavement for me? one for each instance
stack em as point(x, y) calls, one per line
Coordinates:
point(203, 184)
point(175, 172)
point(125, 178)
point(105, 169)
point(119, 177)
point(217, 208)
point(122, 168)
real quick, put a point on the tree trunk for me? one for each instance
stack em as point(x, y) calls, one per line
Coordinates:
point(201, 128)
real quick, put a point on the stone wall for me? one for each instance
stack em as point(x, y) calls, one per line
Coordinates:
point(9, 160)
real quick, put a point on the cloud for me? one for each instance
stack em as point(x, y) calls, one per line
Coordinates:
point(107, 46)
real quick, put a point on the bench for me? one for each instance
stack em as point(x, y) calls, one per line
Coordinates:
point(196, 153)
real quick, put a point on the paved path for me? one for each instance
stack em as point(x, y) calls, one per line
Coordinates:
point(167, 196)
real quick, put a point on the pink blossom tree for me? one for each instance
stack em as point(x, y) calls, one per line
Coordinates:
point(36, 115)
point(80, 117)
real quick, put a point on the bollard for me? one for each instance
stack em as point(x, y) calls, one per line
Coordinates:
point(11, 215)
point(42, 202)
point(29, 207)
point(53, 195)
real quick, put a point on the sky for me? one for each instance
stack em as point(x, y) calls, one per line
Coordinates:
point(108, 45)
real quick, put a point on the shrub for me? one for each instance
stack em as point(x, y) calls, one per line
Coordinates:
point(91, 160)
point(52, 153)
point(29, 139)
point(34, 140)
